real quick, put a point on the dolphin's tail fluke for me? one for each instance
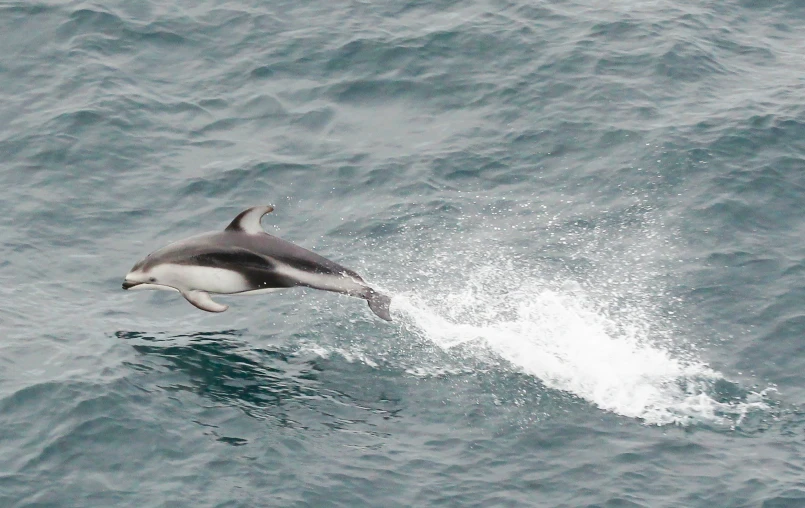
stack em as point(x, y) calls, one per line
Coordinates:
point(379, 303)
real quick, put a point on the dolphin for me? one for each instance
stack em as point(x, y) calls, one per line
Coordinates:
point(244, 259)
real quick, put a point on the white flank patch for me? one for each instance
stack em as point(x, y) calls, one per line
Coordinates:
point(260, 291)
point(203, 278)
point(339, 283)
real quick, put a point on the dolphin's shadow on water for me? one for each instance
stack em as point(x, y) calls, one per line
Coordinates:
point(264, 383)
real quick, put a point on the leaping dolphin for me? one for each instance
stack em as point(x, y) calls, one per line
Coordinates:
point(244, 259)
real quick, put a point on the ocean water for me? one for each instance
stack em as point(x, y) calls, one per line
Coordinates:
point(589, 215)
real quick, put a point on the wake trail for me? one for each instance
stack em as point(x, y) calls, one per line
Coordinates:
point(561, 337)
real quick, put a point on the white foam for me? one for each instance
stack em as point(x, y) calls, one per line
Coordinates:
point(571, 344)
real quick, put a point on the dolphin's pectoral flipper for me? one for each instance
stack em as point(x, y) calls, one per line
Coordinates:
point(248, 221)
point(202, 300)
point(379, 303)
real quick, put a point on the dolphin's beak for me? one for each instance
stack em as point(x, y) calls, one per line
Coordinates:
point(129, 284)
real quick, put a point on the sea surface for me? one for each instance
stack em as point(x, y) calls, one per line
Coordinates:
point(589, 215)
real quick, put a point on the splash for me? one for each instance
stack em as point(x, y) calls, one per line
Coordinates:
point(614, 360)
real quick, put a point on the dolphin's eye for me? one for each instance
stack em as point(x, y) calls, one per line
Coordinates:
point(152, 279)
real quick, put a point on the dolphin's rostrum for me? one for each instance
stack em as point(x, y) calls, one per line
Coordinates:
point(244, 259)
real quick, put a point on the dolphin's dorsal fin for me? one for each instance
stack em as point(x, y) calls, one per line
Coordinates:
point(248, 221)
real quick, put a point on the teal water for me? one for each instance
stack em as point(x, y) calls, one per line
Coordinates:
point(589, 215)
